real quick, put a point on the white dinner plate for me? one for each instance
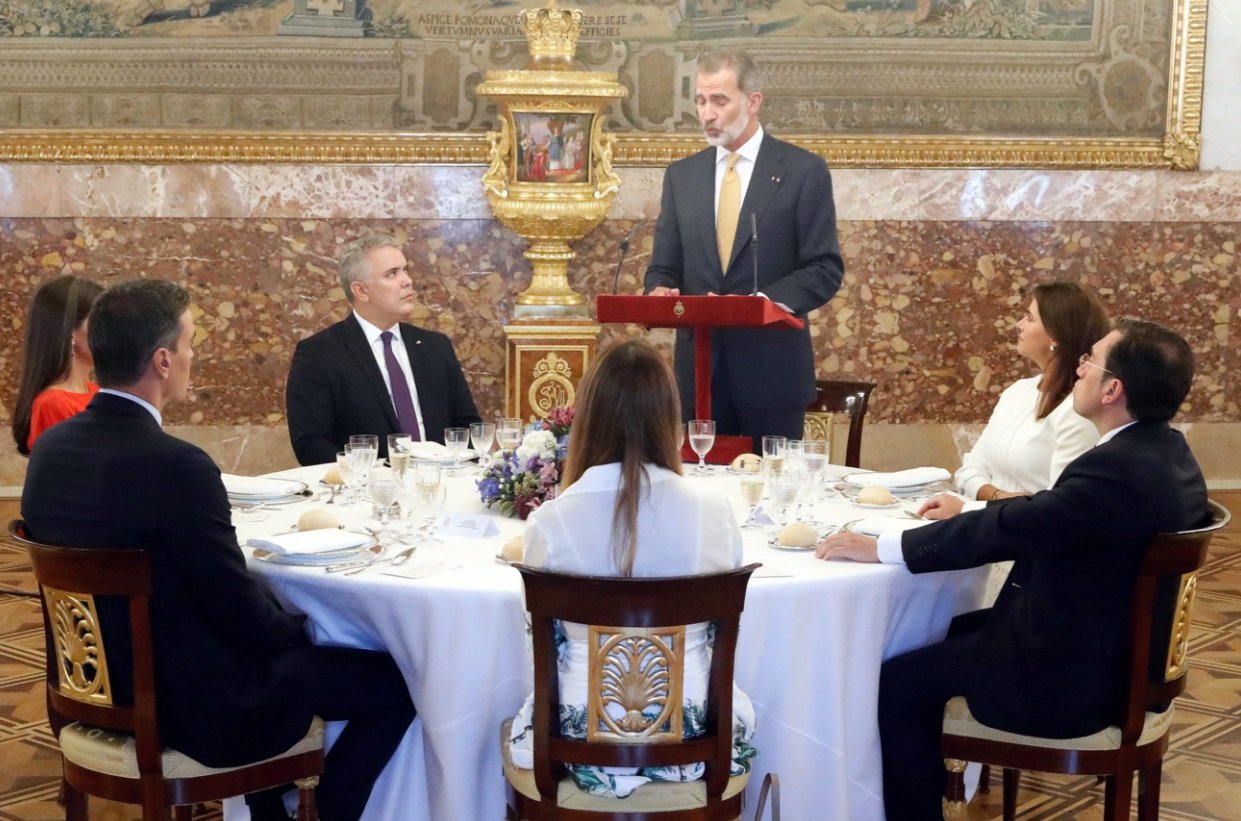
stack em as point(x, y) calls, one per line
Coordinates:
point(311, 559)
point(296, 488)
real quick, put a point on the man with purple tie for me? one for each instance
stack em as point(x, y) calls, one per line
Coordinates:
point(372, 372)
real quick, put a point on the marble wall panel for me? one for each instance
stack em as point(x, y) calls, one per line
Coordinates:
point(939, 266)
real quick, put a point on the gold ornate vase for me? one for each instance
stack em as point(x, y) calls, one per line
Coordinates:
point(550, 178)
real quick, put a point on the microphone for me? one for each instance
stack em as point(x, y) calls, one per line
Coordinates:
point(754, 239)
point(624, 249)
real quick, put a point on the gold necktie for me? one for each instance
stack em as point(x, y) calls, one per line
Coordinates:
point(729, 211)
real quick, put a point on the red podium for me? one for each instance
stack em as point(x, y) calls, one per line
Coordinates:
point(702, 313)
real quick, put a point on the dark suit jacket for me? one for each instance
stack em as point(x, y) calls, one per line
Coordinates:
point(335, 389)
point(1053, 650)
point(110, 477)
point(790, 194)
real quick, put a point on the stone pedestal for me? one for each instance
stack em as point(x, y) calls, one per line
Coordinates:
point(544, 362)
point(326, 18)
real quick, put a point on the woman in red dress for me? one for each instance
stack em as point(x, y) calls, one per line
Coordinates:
point(56, 361)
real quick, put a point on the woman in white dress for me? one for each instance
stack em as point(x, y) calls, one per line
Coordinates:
point(625, 510)
point(1033, 431)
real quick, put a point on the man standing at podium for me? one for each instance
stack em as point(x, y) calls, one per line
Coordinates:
point(747, 191)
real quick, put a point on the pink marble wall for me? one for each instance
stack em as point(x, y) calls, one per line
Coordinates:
point(938, 265)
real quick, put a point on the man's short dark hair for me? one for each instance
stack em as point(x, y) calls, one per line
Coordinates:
point(1156, 366)
point(130, 321)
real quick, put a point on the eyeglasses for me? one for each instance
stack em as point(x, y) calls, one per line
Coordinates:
point(1084, 359)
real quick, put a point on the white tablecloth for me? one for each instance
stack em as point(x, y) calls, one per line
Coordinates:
point(812, 638)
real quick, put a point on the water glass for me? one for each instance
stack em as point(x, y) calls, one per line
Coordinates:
point(815, 457)
point(785, 485)
point(701, 440)
point(482, 434)
point(508, 433)
point(456, 440)
point(383, 487)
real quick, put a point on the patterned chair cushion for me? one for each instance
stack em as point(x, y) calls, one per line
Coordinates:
point(657, 796)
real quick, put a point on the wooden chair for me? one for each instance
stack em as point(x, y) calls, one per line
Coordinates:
point(631, 618)
point(112, 750)
point(838, 396)
point(1136, 742)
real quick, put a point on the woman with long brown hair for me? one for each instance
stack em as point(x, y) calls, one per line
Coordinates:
point(1034, 431)
point(625, 510)
point(56, 361)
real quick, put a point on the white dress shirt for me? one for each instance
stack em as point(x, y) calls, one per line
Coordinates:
point(1019, 452)
point(373, 337)
point(151, 409)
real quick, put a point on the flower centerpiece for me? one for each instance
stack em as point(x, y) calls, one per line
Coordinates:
point(518, 481)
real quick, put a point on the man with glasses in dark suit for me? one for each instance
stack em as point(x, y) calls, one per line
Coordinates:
point(1048, 659)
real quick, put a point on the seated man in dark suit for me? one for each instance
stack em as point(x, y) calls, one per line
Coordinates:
point(1049, 658)
point(236, 677)
point(372, 372)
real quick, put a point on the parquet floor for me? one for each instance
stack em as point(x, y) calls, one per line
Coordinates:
point(1202, 771)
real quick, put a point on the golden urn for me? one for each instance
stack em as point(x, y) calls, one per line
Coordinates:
point(550, 178)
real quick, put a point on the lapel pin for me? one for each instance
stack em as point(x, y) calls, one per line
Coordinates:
point(775, 179)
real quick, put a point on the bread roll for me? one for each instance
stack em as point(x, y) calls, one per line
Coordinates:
point(748, 463)
point(875, 495)
point(333, 477)
point(798, 534)
point(513, 550)
point(316, 520)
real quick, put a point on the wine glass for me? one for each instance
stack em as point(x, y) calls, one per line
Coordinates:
point(429, 492)
point(399, 453)
point(456, 440)
point(361, 457)
point(508, 433)
point(482, 434)
point(383, 487)
point(752, 494)
point(773, 453)
point(701, 440)
point(345, 468)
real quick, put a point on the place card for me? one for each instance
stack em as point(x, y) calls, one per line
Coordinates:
point(417, 568)
point(468, 526)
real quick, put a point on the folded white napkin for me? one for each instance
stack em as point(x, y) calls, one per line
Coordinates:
point(428, 450)
point(311, 541)
point(254, 486)
point(875, 525)
point(911, 477)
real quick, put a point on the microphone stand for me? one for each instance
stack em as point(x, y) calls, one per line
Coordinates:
point(754, 240)
point(624, 249)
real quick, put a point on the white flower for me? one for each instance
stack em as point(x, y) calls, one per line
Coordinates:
point(539, 443)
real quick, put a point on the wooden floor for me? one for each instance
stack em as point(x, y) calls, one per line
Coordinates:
point(1202, 771)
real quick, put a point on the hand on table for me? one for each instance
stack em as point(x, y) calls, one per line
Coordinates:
point(851, 546)
point(941, 506)
point(663, 290)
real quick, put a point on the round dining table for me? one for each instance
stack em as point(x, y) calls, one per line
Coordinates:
point(812, 638)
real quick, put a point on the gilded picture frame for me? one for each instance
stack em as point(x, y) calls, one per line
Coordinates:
point(1056, 83)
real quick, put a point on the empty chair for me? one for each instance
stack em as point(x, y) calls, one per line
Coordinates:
point(839, 396)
